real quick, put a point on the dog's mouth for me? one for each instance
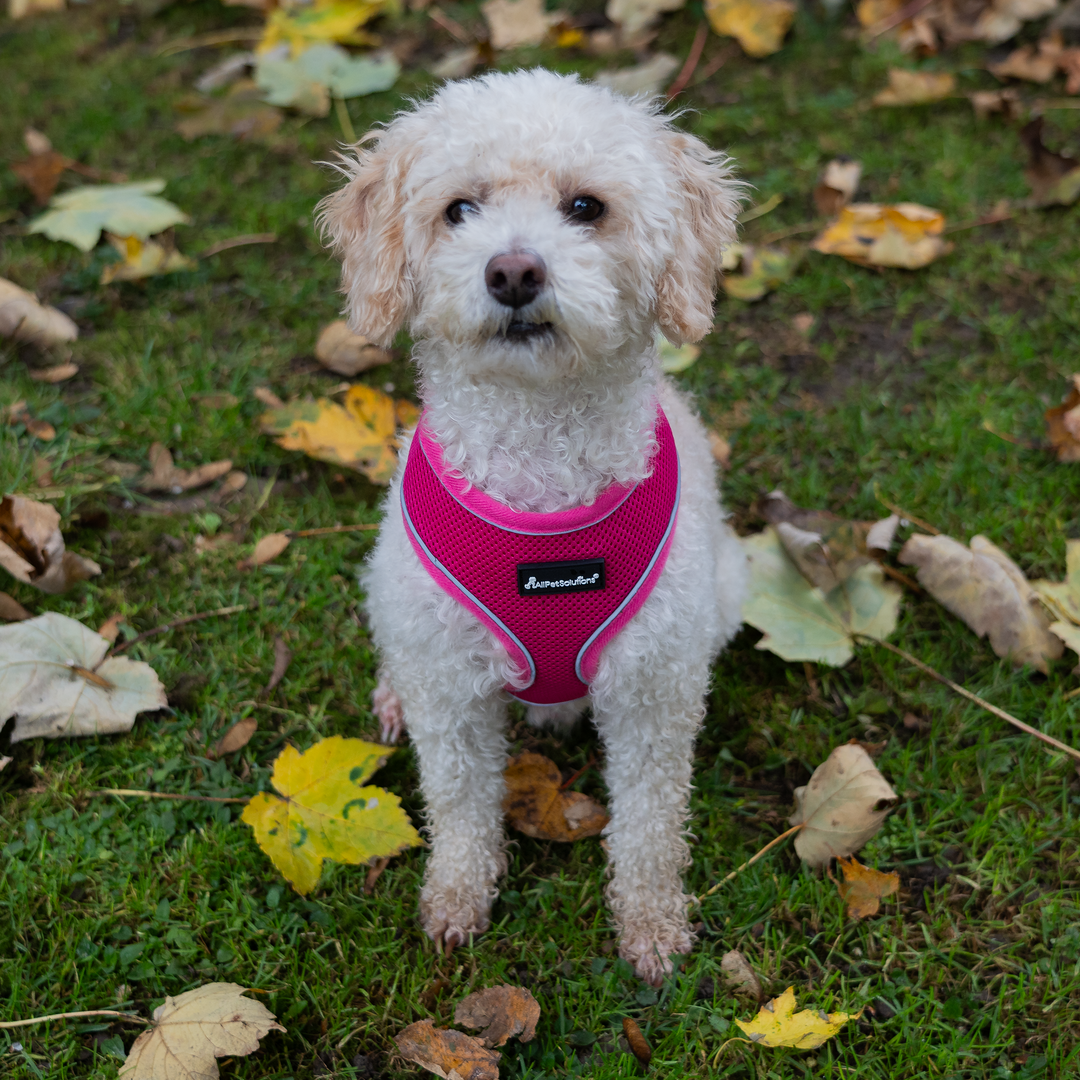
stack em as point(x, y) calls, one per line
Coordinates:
point(521, 331)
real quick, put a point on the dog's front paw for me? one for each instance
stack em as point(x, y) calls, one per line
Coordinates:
point(386, 705)
point(452, 916)
point(649, 952)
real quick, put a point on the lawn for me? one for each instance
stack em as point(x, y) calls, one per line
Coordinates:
point(110, 902)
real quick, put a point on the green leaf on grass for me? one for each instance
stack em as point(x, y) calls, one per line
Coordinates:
point(307, 82)
point(799, 621)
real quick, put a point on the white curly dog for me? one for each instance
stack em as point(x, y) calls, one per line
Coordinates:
point(534, 232)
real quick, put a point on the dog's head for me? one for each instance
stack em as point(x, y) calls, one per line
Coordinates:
point(533, 223)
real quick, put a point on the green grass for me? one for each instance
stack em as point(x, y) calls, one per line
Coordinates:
point(975, 972)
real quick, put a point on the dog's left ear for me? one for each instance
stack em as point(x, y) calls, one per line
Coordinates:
point(709, 203)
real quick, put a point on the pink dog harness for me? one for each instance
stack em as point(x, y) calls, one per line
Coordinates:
point(553, 588)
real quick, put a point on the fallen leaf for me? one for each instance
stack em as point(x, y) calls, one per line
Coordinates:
point(915, 723)
point(267, 548)
point(1054, 178)
point(241, 113)
point(1063, 425)
point(675, 358)
point(759, 26)
point(165, 476)
point(902, 235)
point(32, 547)
point(79, 216)
point(221, 400)
point(57, 374)
point(535, 804)
point(24, 318)
point(143, 258)
point(777, 1024)
point(56, 683)
point(988, 102)
point(504, 1012)
point(842, 807)
point(1069, 65)
point(267, 397)
point(739, 976)
point(282, 659)
point(981, 585)
point(346, 353)
point(863, 888)
point(908, 34)
point(720, 447)
point(308, 80)
point(762, 269)
point(324, 812)
point(915, 87)
point(1062, 598)
point(799, 621)
point(11, 610)
point(358, 434)
point(227, 69)
point(375, 871)
point(514, 23)
point(302, 26)
point(195, 1028)
point(236, 738)
point(40, 429)
point(633, 16)
point(638, 1043)
point(649, 77)
point(837, 186)
point(110, 628)
point(19, 9)
point(1038, 64)
point(458, 63)
point(1002, 19)
point(450, 1054)
point(41, 172)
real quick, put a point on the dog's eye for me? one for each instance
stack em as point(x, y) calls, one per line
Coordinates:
point(456, 211)
point(584, 208)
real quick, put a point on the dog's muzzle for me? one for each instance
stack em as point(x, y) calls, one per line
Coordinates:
point(515, 279)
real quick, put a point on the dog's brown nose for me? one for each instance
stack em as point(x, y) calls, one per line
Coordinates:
point(515, 278)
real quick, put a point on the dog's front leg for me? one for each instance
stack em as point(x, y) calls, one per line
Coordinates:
point(462, 751)
point(649, 758)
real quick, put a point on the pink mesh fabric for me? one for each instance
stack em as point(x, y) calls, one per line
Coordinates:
point(472, 545)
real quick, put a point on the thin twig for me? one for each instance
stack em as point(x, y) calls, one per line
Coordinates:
point(163, 795)
point(901, 512)
point(957, 688)
point(987, 219)
point(988, 426)
point(180, 622)
point(580, 773)
point(73, 1016)
point(216, 37)
point(749, 862)
point(883, 26)
point(716, 63)
point(294, 534)
point(451, 26)
point(341, 111)
point(692, 58)
point(899, 575)
point(238, 241)
point(795, 230)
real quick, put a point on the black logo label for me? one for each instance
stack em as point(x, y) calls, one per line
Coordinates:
point(547, 578)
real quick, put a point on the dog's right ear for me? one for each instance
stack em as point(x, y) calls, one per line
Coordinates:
point(363, 222)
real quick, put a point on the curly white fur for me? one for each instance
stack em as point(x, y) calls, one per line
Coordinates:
point(542, 425)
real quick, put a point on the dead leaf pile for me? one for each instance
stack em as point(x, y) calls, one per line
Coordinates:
point(981, 585)
point(32, 547)
point(536, 805)
point(903, 235)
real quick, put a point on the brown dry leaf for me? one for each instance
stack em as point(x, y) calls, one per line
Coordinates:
point(375, 871)
point(346, 353)
point(638, 1043)
point(23, 318)
point(32, 547)
point(1063, 425)
point(503, 1012)
point(282, 659)
point(536, 806)
point(59, 373)
point(837, 186)
point(904, 235)
point(18, 9)
point(863, 887)
point(164, 476)
point(513, 23)
point(1054, 178)
point(721, 449)
point(842, 806)
point(242, 113)
point(918, 31)
point(983, 586)
point(450, 1054)
point(759, 26)
point(220, 400)
point(739, 976)
point(266, 549)
point(1002, 19)
point(1069, 63)
point(987, 102)
point(40, 429)
point(193, 1029)
point(41, 173)
point(1030, 63)
point(633, 16)
point(915, 87)
point(11, 610)
point(110, 628)
point(915, 723)
point(267, 397)
point(236, 738)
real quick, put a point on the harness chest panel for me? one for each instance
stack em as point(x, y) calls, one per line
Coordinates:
point(553, 588)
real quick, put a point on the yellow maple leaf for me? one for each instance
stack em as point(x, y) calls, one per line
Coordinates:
point(777, 1024)
point(143, 258)
point(904, 235)
point(359, 434)
point(759, 26)
point(325, 20)
point(324, 811)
